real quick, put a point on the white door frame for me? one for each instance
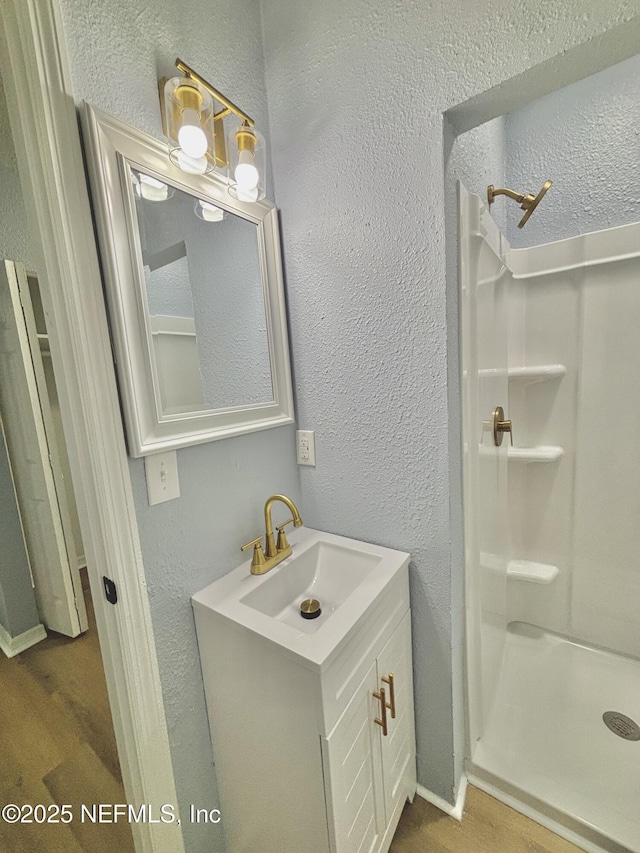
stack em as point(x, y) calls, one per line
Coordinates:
point(45, 130)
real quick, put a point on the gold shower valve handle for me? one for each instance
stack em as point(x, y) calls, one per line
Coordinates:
point(500, 426)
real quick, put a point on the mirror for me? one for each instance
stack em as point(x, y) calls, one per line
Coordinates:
point(194, 286)
point(205, 301)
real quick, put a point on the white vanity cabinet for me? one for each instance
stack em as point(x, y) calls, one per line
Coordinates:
point(302, 766)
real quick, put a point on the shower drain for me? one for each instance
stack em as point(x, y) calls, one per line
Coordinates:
point(621, 725)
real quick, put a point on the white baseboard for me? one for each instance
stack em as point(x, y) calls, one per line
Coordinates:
point(12, 646)
point(454, 811)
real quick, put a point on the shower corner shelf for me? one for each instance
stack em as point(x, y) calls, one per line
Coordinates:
point(537, 373)
point(542, 453)
point(526, 375)
point(527, 570)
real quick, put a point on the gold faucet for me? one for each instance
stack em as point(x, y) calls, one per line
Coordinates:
point(275, 552)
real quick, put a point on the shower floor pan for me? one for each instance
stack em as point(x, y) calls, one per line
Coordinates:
point(545, 737)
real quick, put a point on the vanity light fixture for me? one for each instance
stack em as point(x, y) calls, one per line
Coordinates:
point(197, 137)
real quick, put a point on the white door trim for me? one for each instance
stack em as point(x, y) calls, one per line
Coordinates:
point(44, 126)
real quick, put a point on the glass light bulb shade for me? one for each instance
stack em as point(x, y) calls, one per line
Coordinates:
point(246, 173)
point(247, 168)
point(192, 138)
point(246, 195)
point(188, 123)
point(149, 188)
point(208, 212)
point(192, 165)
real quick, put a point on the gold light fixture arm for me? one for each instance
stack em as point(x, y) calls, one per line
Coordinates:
point(229, 106)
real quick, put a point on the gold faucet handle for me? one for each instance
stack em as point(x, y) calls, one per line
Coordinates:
point(258, 558)
point(282, 542)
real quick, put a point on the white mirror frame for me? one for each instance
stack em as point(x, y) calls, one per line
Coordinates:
point(109, 143)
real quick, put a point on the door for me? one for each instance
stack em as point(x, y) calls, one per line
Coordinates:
point(395, 674)
point(34, 456)
point(351, 759)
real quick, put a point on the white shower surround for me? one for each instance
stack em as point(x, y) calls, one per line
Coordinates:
point(568, 522)
point(577, 302)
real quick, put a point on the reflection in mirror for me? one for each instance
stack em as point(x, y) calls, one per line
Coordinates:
point(205, 301)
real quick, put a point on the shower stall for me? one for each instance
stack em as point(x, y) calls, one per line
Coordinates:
point(551, 334)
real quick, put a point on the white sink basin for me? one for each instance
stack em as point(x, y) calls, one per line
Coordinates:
point(344, 575)
point(325, 571)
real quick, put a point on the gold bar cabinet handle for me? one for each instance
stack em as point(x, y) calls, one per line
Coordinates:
point(392, 694)
point(382, 720)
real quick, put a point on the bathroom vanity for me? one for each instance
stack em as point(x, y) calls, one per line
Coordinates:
point(311, 719)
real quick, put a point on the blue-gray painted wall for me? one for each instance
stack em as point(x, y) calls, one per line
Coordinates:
point(586, 138)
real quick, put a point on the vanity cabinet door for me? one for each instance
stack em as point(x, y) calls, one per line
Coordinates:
point(353, 774)
point(398, 747)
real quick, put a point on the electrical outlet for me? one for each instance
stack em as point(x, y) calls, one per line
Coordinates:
point(306, 447)
point(161, 470)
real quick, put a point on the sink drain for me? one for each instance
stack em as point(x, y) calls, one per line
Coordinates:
point(310, 608)
point(621, 725)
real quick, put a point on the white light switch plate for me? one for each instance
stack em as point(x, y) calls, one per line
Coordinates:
point(161, 470)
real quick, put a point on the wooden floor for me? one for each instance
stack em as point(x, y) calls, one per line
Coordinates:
point(57, 744)
point(57, 747)
point(488, 826)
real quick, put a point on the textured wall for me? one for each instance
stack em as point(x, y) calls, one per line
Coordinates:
point(117, 52)
point(477, 158)
point(356, 95)
point(586, 139)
